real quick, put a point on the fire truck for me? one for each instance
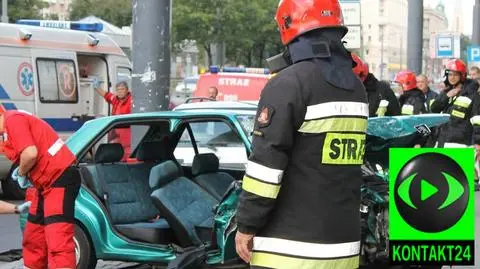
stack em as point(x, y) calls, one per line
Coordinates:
point(233, 83)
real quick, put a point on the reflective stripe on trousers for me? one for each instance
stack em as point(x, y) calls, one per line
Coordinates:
point(282, 253)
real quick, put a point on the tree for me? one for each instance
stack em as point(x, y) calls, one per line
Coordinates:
point(248, 30)
point(25, 9)
point(253, 33)
point(198, 20)
point(117, 12)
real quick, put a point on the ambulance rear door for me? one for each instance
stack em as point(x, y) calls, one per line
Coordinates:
point(119, 70)
point(56, 83)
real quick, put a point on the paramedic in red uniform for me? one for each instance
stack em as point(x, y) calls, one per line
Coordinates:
point(121, 103)
point(44, 164)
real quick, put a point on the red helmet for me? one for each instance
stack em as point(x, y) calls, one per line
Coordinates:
point(408, 79)
point(361, 70)
point(456, 65)
point(296, 17)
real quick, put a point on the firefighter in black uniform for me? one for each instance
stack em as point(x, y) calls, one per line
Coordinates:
point(412, 101)
point(299, 207)
point(381, 98)
point(461, 100)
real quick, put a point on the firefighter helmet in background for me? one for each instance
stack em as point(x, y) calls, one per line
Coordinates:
point(361, 68)
point(296, 17)
point(456, 65)
point(407, 79)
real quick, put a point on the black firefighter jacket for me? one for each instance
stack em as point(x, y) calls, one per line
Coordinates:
point(301, 190)
point(412, 102)
point(381, 98)
point(464, 125)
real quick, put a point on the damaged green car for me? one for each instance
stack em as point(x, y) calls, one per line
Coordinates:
point(173, 201)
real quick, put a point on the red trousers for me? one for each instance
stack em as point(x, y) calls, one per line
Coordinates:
point(48, 235)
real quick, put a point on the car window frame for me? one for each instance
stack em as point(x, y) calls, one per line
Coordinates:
point(182, 125)
point(100, 135)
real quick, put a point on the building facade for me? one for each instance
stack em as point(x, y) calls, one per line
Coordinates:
point(384, 36)
point(457, 23)
point(434, 21)
point(56, 9)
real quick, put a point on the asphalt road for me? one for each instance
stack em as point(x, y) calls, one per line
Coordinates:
point(10, 238)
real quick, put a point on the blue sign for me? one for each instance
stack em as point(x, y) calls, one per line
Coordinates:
point(473, 53)
point(445, 47)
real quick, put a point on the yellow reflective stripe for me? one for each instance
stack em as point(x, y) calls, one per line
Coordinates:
point(343, 149)
point(260, 188)
point(334, 125)
point(407, 110)
point(270, 260)
point(381, 111)
point(431, 102)
point(463, 101)
point(458, 114)
point(475, 120)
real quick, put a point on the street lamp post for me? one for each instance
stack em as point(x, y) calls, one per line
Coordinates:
point(382, 64)
point(5, 11)
point(476, 23)
point(415, 35)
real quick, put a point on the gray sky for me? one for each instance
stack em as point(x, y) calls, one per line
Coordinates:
point(467, 10)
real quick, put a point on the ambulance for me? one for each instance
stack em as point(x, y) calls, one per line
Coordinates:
point(233, 83)
point(47, 69)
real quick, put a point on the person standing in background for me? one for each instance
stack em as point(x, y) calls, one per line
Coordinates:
point(121, 103)
point(422, 84)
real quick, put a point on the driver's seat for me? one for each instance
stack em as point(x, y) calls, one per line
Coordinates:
point(186, 206)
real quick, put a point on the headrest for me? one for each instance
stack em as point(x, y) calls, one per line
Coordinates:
point(162, 174)
point(152, 151)
point(204, 163)
point(109, 153)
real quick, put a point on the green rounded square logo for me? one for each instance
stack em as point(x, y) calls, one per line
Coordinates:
point(432, 206)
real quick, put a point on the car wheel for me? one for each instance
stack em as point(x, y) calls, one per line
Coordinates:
point(11, 189)
point(84, 252)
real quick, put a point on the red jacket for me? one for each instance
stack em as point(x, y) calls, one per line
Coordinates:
point(23, 130)
point(120, 107)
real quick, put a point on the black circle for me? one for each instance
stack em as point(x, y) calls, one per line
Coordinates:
point(427, 216)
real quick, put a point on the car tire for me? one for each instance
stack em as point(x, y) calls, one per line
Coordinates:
point(84, 251)
point(11, 189)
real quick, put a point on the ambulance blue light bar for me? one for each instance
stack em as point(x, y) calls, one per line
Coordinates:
point(79, 26)
point(214, 69)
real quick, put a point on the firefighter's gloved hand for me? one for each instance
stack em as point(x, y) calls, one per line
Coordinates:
point(22, 180)
point(22, 208)
point(96, 83)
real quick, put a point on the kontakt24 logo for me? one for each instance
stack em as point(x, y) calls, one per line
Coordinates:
point(432, 206)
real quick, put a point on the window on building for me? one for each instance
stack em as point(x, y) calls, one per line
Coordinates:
point(57, 81)
point(369, 38)
point(367, 51)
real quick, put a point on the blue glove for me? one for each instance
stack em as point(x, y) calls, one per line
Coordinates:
point(22, 180)
point(22, 208)
point(96, 83)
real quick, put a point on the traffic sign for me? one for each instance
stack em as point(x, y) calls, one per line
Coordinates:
point(446, 45)
point(473, 53)
point(351, 11)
